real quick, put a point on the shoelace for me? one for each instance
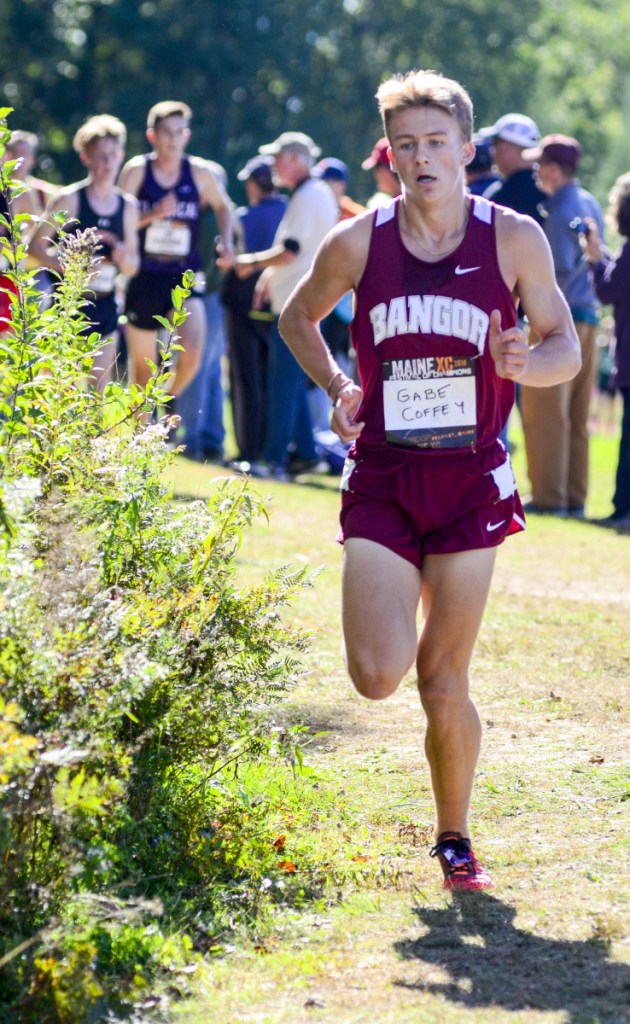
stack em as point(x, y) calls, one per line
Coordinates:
point(456, 851)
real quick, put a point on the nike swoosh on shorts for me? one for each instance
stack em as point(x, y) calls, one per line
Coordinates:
point(494, 526)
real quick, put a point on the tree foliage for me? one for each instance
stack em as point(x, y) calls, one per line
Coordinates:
point(253, 68)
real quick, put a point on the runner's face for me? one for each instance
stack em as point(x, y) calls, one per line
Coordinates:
point(21, 151)
point(428, 152)
point(103, 158)
point(170, 137)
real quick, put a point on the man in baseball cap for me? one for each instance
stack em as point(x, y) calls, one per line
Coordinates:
point(479, 173)
point(336, 174)
point(259, 169)
point(310, 214)
point(555, 421)
point(332, 169)
point(556, 149)
point(248, 331)
point(515, 128)
point(387, 183)
point(378, 156)
point(511, 137)
point(291, 140)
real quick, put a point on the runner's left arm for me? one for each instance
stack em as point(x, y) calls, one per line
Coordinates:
point(126, 254)
point(212, 192)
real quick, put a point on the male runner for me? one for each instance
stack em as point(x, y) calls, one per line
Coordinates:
point(428, 491)
point(96, 202)
point(23, 146)
point(172, 190)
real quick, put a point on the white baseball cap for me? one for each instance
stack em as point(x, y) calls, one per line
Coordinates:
point(516, 128)
point(298, 139)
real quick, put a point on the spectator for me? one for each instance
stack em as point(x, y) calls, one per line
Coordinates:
point(511, 136)
point(311, 212)
point(337, 176)
point(200, 405)
point(479, 173)
point(555, 419)
point(385, 177)
point(336, 326)
point(612, 284)
point(517, 188)
point(248, 329)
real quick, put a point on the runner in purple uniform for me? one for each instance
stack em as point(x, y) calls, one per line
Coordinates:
point(96, 202)
point(172, 189)
point(428, 492)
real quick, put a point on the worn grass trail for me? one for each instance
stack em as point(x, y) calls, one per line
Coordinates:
point(550, 817)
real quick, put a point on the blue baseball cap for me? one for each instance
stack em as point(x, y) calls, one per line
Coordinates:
point(258, 168)
point(482, 160)
point(332, 169)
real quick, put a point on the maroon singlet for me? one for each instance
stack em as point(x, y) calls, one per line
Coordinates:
point(428, 474)
point(425, 326)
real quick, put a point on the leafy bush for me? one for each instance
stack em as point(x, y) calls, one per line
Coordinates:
point(137, 680)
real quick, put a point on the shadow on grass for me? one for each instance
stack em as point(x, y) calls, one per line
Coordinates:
point(472, 955)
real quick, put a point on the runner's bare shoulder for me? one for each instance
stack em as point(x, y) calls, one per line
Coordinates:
point(132, 174)
point(349, 241)
point(520, 240)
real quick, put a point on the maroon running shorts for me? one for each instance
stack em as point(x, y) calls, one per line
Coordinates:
point(419, 504)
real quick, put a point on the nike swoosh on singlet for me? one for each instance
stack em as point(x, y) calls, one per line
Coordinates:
point(494, 526)
point(465, 270)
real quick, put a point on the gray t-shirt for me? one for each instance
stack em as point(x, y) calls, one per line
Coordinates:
point(311, 213)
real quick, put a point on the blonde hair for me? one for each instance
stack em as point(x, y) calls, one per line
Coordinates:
point(28, 138)
point(101, 126)
point(167, 108)
point(426, 89)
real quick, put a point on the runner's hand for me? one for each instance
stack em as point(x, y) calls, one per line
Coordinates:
point(243, 270)
point(226, 257)
point(166, 207)
point(343, 422)
point(262, 297)
point(509, 349)
point(119, 253)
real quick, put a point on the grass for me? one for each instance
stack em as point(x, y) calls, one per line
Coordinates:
point(549, 944)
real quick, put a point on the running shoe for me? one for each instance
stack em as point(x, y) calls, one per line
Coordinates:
point(461, 868)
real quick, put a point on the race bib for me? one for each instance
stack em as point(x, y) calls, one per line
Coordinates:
point(104, 279)
point(167, 238)
point(430, 403)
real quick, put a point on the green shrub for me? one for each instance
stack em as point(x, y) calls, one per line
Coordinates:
point(137, 681)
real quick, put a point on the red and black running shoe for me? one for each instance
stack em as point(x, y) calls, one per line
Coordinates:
point(461, 868)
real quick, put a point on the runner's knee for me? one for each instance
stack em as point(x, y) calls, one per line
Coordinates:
point(371, 681)
point(443, 694)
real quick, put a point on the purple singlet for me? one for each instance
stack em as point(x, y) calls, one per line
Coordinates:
point(170, 246)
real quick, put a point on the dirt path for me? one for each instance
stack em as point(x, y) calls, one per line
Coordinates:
point(551, 811)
